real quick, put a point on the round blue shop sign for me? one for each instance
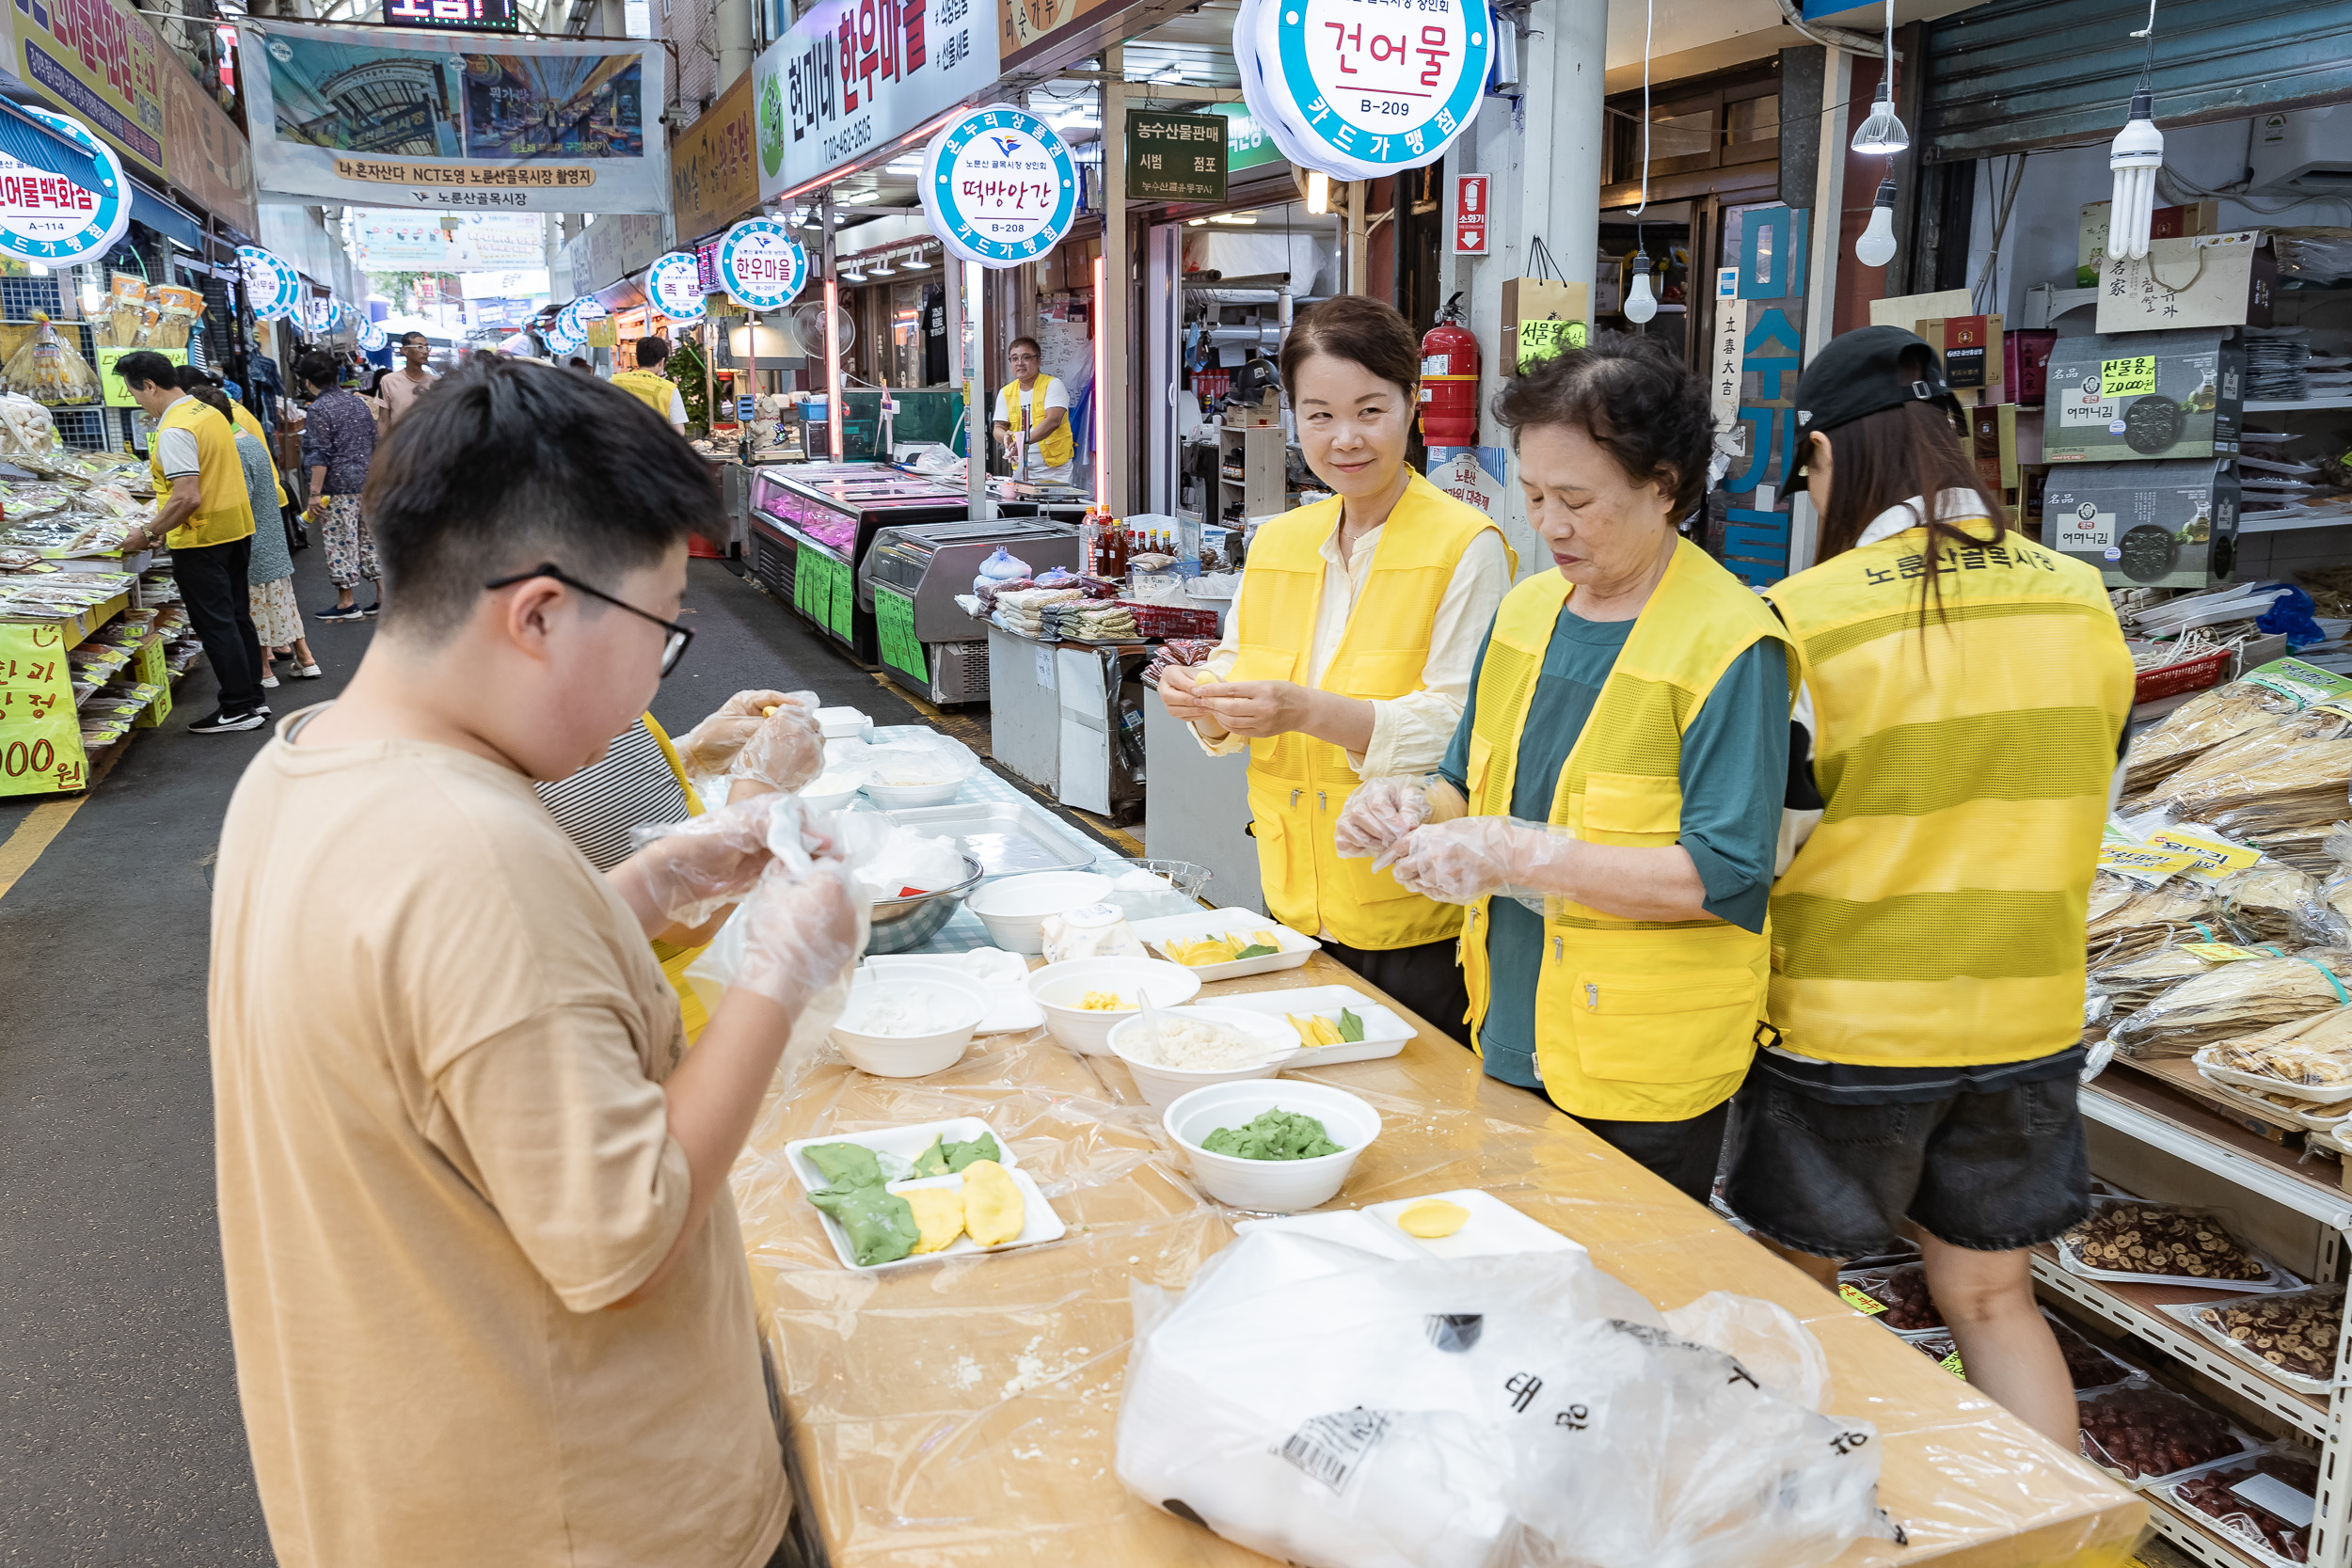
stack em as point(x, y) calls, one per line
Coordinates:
point(49, 218)
point(675, 281)
point(271, 286)
point(1381, 86)
point(761, 265)
point(999, 187)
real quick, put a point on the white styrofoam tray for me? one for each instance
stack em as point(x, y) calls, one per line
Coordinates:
point(1385, 1033)
point(1297, 948)
point(1493, 1229)
point(1039, 1221)
point(2321, 1094)
point(2277, 1280)
point(2191, 1313)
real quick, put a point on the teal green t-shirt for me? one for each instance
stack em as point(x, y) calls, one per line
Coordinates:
point(1734, 777)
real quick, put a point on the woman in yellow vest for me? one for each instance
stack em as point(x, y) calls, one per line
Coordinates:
point(648, 385)
point(1032, 422)
point(1964, 698)
point(1347, 652)
point(1623, 761)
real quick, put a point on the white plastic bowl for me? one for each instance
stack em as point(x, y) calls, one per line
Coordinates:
point(1271, 1186)
point(906, 796)
point(912, 1055)
point(1162, 1086)
point(1014, 908)
point(1058, 988)
point(842, 723)
point(831, 791)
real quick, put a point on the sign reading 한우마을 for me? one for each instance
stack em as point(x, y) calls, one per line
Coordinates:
point(48, 217)
point(999, 187)
point(675, 284)
point(760, 265)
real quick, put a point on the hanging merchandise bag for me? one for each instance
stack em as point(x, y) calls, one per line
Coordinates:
point(1543, 316)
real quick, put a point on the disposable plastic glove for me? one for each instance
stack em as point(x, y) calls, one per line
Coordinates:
point(799, 932)
point(692, 869)
point(786, 750)
point(709, 747)
point(1377, 817)
point(1472, 857)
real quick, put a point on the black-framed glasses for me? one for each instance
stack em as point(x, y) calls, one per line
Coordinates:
point(672, 651)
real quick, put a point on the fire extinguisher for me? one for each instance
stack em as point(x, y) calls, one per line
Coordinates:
point(1448, 381)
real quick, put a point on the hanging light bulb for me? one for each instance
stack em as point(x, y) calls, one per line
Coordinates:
point(1876, 247)
point(1883, 136)
point(2136, 156)
point(1640, 304)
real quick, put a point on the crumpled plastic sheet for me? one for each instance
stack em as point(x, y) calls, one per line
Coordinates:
point(962, 1412)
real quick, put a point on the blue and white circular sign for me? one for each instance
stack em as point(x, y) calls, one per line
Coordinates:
point(55, 220)
point(321, 312)
point(272, 288)
point(761, 265)
point(1371, 88)
point(373, 337)
point(999, 187)
point(675, 285)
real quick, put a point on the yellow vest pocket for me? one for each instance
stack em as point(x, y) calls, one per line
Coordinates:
point(1669, 1028)
point(1381, 675)
point(1257, 662)
point(1633, 803)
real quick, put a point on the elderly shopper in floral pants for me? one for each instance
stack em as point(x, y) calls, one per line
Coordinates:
point(337, 443)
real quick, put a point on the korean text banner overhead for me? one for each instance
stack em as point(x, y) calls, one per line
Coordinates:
point(460, 123)
point(210, 157)
point(385, 238)
point(99, 62)
point(714, 165)
point(853, 75)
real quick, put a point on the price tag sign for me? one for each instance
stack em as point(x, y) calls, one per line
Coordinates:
point(40, 734)
point(1951, 1365)
point(675, 281)
point(1854, 1296)
point(114, 392)
point(762, 266)
point(841, 613)
point(2131, 377)
point(893, 623)
point(1548, 340)
point(999, 186)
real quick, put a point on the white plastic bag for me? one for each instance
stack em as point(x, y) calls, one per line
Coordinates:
point(1334, 1408)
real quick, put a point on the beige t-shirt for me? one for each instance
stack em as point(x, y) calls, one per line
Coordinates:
point(439, 1043)
point(400, 393)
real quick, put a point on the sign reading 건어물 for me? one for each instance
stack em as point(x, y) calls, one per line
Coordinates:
point(1175, 157)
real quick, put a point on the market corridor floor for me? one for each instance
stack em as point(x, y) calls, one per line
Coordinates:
point(119, 1437)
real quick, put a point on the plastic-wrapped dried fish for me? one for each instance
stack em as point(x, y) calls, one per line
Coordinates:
point(2198, 725)
point(2244, 755)
point(2133, 984)
point(2235, 1000)
point(2262, 900)
point(2154, 917)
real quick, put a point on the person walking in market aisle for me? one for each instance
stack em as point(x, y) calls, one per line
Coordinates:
point(1032, 423)
point(1958, 733)
point(194, 382)
point(401, 389)
point(1347, 652)
point(203, 515)
point(338, 445)
point(1609, 805)
point(648, 385)
point(487, 1287)
point(277, 618)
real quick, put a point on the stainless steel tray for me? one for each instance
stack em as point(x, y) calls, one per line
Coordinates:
point(1009, 838)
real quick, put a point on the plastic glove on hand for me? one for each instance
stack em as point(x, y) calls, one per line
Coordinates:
point(788, 749)
point(800, 935)
point(710, 747)
point(1473, 857)
point(692, 869)
point(1377, 817)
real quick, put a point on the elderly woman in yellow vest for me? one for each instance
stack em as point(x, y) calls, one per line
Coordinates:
point(1964, 698)
point(1347, 652)
point(1032, 422)
point(1623, 761)
point(648, 385)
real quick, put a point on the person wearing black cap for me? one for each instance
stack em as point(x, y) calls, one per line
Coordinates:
point(1957, 730)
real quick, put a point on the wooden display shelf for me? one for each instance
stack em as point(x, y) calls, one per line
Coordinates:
point(2181, 1074)
point(2188, 1531)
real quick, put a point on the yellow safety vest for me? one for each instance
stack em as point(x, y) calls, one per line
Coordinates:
point(649, 388)
point(1055, 450)
point(224, 511)
point(1298, 783)
point(1936, 916)
point(246, 422)
point(1635, 1020)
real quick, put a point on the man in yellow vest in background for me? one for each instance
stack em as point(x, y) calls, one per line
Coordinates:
point(1032, 422)
point(648, 385)
point(202, 514)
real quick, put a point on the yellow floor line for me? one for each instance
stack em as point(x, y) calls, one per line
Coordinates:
point(24, 847)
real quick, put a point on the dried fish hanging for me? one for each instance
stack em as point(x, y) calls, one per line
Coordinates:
point(48, 370)
point(2234, 1001)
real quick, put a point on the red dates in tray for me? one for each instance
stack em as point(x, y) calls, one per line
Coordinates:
point(2210, 1493)
point(2146, 1432)
point(1905, 1292)
point(2087, 1365)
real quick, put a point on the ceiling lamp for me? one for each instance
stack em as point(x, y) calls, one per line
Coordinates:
point(855, 276)
point(882, 269)
point(1233, 217)
point(2136, 156)
point(1640, 304)
point(1882, 135)
point(1876, 247)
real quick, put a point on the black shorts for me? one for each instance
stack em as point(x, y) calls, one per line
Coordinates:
point(1991, 1172)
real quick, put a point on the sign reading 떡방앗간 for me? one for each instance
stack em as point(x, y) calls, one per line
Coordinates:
point(461, 16)
point(855, 75)
point(1176, 157)
point(468, 122)
point(998, 186)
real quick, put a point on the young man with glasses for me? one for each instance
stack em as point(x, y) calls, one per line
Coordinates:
point(485, 1284)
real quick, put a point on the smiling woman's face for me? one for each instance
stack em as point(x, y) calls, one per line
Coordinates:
point(1351, 425)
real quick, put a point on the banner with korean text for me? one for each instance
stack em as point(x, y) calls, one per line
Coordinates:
point(853, 76)
point(456, 123)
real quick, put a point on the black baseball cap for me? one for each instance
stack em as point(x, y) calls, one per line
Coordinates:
point(1860, 372)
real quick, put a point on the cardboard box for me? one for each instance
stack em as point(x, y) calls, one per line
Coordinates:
point(2143, 396)
point(2200, 280)
point(2026, 361)
point(2146, 525)
point(1972, 352)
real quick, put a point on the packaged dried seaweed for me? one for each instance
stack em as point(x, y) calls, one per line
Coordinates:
point(2234, 1000)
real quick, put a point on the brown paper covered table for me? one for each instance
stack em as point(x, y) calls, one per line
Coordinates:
point(961, 1412)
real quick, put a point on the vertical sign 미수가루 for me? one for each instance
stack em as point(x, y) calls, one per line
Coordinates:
point(999, 187)
point(851, 76)
point(1466, 211)
point(1175, 157)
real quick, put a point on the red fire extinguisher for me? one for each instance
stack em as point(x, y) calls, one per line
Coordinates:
point(1448, 381)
